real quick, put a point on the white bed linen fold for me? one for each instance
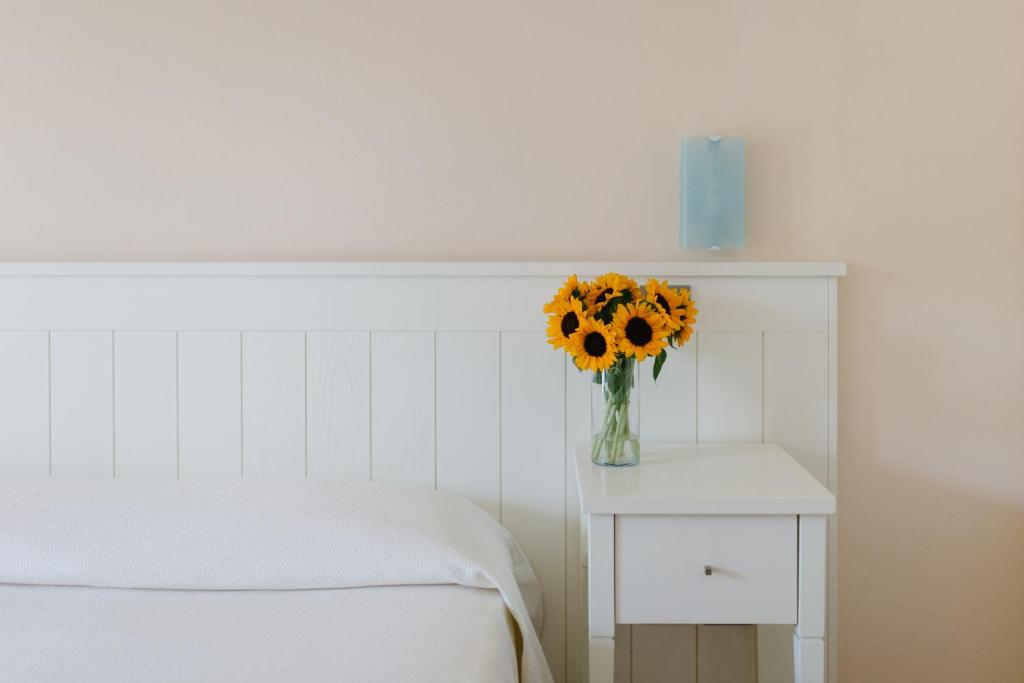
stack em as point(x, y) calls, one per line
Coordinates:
point(391, 634)
point(244, 534)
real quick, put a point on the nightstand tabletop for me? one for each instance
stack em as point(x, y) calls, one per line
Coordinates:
point(695, 479)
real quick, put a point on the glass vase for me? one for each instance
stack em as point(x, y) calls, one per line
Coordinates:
point(615, 416)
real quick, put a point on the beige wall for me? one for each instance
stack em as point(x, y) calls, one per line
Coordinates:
point(886, 134)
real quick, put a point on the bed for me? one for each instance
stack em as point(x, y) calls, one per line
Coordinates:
point(259, 580)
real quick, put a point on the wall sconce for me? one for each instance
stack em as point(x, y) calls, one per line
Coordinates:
point(711, 201)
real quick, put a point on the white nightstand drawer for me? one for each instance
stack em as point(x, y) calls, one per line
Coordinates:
point(662, 564)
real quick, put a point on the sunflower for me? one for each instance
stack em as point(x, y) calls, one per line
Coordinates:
point(667, 300)
point(593, 345)
point(682, 335)
point(641, 330)
point(677, 306)
point(686, 316)
point(573, 288)
point(565, 318)
point(610, 286)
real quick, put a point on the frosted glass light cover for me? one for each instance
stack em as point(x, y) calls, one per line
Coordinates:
point(711, 210)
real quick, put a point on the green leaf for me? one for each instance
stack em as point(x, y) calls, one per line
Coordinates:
point(659, 361)
point(597, 376)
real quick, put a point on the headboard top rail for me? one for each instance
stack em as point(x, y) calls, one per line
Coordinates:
point(425, 269)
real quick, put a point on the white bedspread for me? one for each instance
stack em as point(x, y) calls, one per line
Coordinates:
point(428, 634)
point(261, 535)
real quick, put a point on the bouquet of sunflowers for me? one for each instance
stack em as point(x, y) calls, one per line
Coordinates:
point(608, 326)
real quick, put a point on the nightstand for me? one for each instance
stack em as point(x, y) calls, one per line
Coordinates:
point(705, 534)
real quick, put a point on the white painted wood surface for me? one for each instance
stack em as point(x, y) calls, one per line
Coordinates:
point(813, 576)
point(146, 404)
point(82, 404)
point(338, 404)
point(668, 412)
point(795, 417)
point(209, 404)
point(273, 404)
point(661, 565)
point(339, 410)
point(703, 479)
point(577, 428)
point(668, 407)
point(402, 412)
point(831, 653)
point(782, 304)
point(727, 560)
point(420, 269)
point(796, 397)
point(601, 544)
point(361, 303)
point(808, 660)
point(469, 417)
point(729, 390)
point(601, 604)
point(24, 404)
point(533, 471)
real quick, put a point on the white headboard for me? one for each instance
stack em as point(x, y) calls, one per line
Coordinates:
point(435, 374)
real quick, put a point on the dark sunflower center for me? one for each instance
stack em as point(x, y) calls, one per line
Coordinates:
point(600, 298)
point(569, 323)
point(595, 345)
point(663, 302)
point(638, 331)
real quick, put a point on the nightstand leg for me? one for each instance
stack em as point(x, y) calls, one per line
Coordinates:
point(601, 598)
point(809, 634)
point(808, 659)
point(602, 660)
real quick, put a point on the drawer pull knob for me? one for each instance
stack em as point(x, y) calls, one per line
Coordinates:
point(707, 570)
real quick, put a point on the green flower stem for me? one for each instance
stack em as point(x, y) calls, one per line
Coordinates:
point(609, 444)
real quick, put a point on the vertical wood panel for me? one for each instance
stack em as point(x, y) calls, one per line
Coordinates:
point(831, 653)
point(775, 653)
point(24, 404)
point(623, 654)
point(209, 404)
point(273, 403)
point(402, 388)
point(668, 407)
point(82, 404)
point(664, 653)
point(730, 408)
point(796, 397)
point(668, 412)
point(577, 429)
point(338, 404)
point(726, 653)
point(468, 415)
point(796, 418)
point(729, 386)
point(145, 404)
point(533, 471)
point(601, 660)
